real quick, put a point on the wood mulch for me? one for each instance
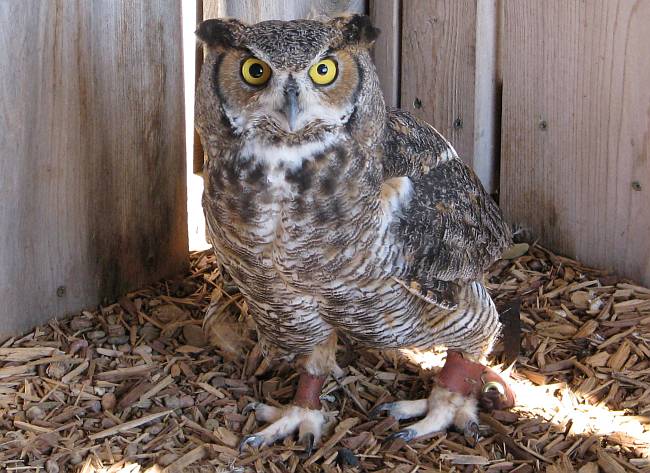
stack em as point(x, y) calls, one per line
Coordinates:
point(136, 383)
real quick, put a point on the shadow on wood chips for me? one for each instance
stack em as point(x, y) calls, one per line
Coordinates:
point(137, 385)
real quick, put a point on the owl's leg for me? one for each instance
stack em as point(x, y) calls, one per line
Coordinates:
point(304, 415)
point(462, 384)
point(443, 409)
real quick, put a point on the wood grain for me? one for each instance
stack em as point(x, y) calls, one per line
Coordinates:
point(486, 99)
point(385, 15)
point(439, 67)
point(576, 128)
point(92, 166)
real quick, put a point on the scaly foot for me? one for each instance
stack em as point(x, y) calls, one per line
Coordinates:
point(284, 421)
point(303, 416)
point(441, 410)
point(462, 385)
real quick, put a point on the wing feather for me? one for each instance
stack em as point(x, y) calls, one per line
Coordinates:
point(451, 230)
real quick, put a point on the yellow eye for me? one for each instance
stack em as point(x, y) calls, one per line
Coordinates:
point(323, 72)
point(255, 72)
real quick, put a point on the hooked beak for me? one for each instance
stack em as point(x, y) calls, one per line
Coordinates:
point(290, 105)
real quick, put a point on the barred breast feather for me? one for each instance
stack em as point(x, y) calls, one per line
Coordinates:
point(388, 253)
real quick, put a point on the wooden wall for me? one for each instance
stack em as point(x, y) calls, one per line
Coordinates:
point(575, 154)
point(435, 85)
point(386, 15)
point(437, 59)
point(92, 162)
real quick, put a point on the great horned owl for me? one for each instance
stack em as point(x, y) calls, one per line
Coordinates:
point(335, 216)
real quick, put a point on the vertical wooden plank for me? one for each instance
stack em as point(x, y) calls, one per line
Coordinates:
point(439, 66)
point(486, 108)
point(576, 128)
point(92, 166)
point(252, 11)
point(385, 15)
point(448, 75)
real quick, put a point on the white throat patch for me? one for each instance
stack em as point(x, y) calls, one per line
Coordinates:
point(287, 157)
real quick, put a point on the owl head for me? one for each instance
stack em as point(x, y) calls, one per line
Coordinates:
point(289, 82)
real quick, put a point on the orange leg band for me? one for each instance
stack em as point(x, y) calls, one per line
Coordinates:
point(308, 391)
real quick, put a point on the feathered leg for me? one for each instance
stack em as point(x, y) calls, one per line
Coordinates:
point(304, 414)
point(443, 408)
point(462, 384)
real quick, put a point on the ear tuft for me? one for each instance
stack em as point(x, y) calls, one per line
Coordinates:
point(358, 29)
point(219, 32)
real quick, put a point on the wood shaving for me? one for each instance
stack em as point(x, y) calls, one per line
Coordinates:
point(134, 386)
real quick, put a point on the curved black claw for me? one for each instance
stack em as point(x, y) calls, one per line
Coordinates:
point(346, 457)
point(378, 409)
point(406, 434)
point(472, 433)
point(253, 440)
point(251, 406)
point(307, 441)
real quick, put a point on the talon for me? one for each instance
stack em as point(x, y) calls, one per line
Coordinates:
point(307, 441)
point(327, 397)
point(253, 440)
point(472, 433)
point(251, 406)
point(407, 435)
point(491, 400)
point(346, 457)
point(378, 409)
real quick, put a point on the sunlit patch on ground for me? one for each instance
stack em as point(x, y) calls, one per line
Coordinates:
point(559, 405)
point(94, 465)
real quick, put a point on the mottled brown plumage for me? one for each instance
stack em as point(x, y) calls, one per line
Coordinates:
point(331, 213)
point(453, 230)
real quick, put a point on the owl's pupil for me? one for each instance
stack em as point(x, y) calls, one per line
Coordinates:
point(256, 71)
point(322, 69)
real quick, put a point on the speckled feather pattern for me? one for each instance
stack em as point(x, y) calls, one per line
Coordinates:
point(371, 227)
point(453, 230)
